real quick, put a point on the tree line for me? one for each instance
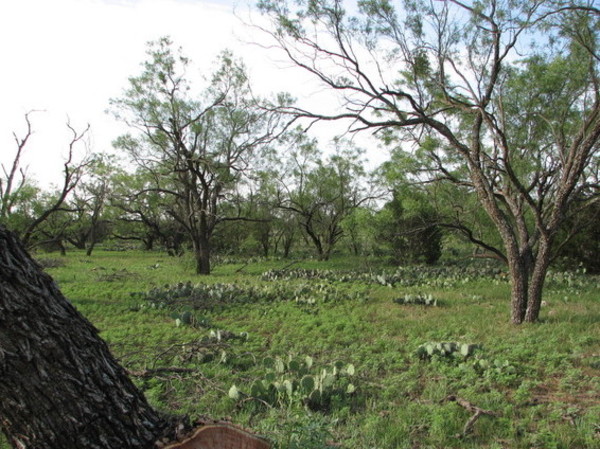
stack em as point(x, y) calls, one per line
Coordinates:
point(217, 172)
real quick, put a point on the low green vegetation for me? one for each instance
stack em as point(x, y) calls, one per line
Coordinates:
point(348, 353)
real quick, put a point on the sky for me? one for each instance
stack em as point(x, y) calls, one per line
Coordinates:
point(67, 58)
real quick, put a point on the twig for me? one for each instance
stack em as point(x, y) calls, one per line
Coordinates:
point(252, 398)
point(477, 412)
point(242, 267)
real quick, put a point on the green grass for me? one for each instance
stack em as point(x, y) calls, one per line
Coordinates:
point(541, 380)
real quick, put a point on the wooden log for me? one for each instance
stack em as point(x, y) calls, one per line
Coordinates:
point(221, 436)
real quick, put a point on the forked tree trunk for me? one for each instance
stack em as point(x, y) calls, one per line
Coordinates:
point(60, 387)
point(527, 281)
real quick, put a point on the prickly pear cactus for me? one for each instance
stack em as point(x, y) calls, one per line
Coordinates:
point(445, 349)
point(298, 381)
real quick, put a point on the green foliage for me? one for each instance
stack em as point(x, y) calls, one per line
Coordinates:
point(583, 248)
point(298, 431)
point(408, 223)
point(311, 274)
point(21, 206)
point(322, 192)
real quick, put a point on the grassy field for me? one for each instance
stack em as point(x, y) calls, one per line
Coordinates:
point(341, 354)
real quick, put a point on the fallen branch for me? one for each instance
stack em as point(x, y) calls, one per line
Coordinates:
point(242, 267)
point(294, 262)
point(477, 412)
point(154, 371)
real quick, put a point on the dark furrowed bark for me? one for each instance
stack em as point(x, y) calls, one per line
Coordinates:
point(60, 387)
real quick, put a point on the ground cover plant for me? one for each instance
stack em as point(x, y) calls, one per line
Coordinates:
point(333, 359)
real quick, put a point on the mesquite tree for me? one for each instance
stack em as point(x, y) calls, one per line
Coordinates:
point(60, 386)
point(501, 97)
point(197, 147)
point(322, 192)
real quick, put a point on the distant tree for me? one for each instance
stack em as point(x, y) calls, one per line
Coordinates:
point(358, 228)
point(275, 228)
point(142, 213)
point(464, 89)
point(17, 193)
point(88, 224)
point(263, 205)
point(411, 227)
point(196, 149)
point(322, 193)
point(52, 234)
point(27, 202)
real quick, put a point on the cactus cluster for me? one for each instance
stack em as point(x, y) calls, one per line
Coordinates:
point(188, 318)
point(298, 380)
point(429, 350)
point(421, 299)
point(219, 335)
point(302, 273)
point(187, 297)
point(445, 276)
point(494, 368)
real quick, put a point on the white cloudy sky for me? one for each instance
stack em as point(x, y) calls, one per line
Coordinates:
point(67, 58)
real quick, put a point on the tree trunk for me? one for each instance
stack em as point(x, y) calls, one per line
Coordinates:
point(288, 241)
point(519, 277)
point(538, 277)
point(314, 238)
point(202, 255)
point(90, 248)
point(148, 242)
point(266, 245)
point(91, 238)
point(60, 386)
point(326, 253)
point(61, 247)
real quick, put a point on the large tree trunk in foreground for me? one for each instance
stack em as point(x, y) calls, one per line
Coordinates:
point(59, 385)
